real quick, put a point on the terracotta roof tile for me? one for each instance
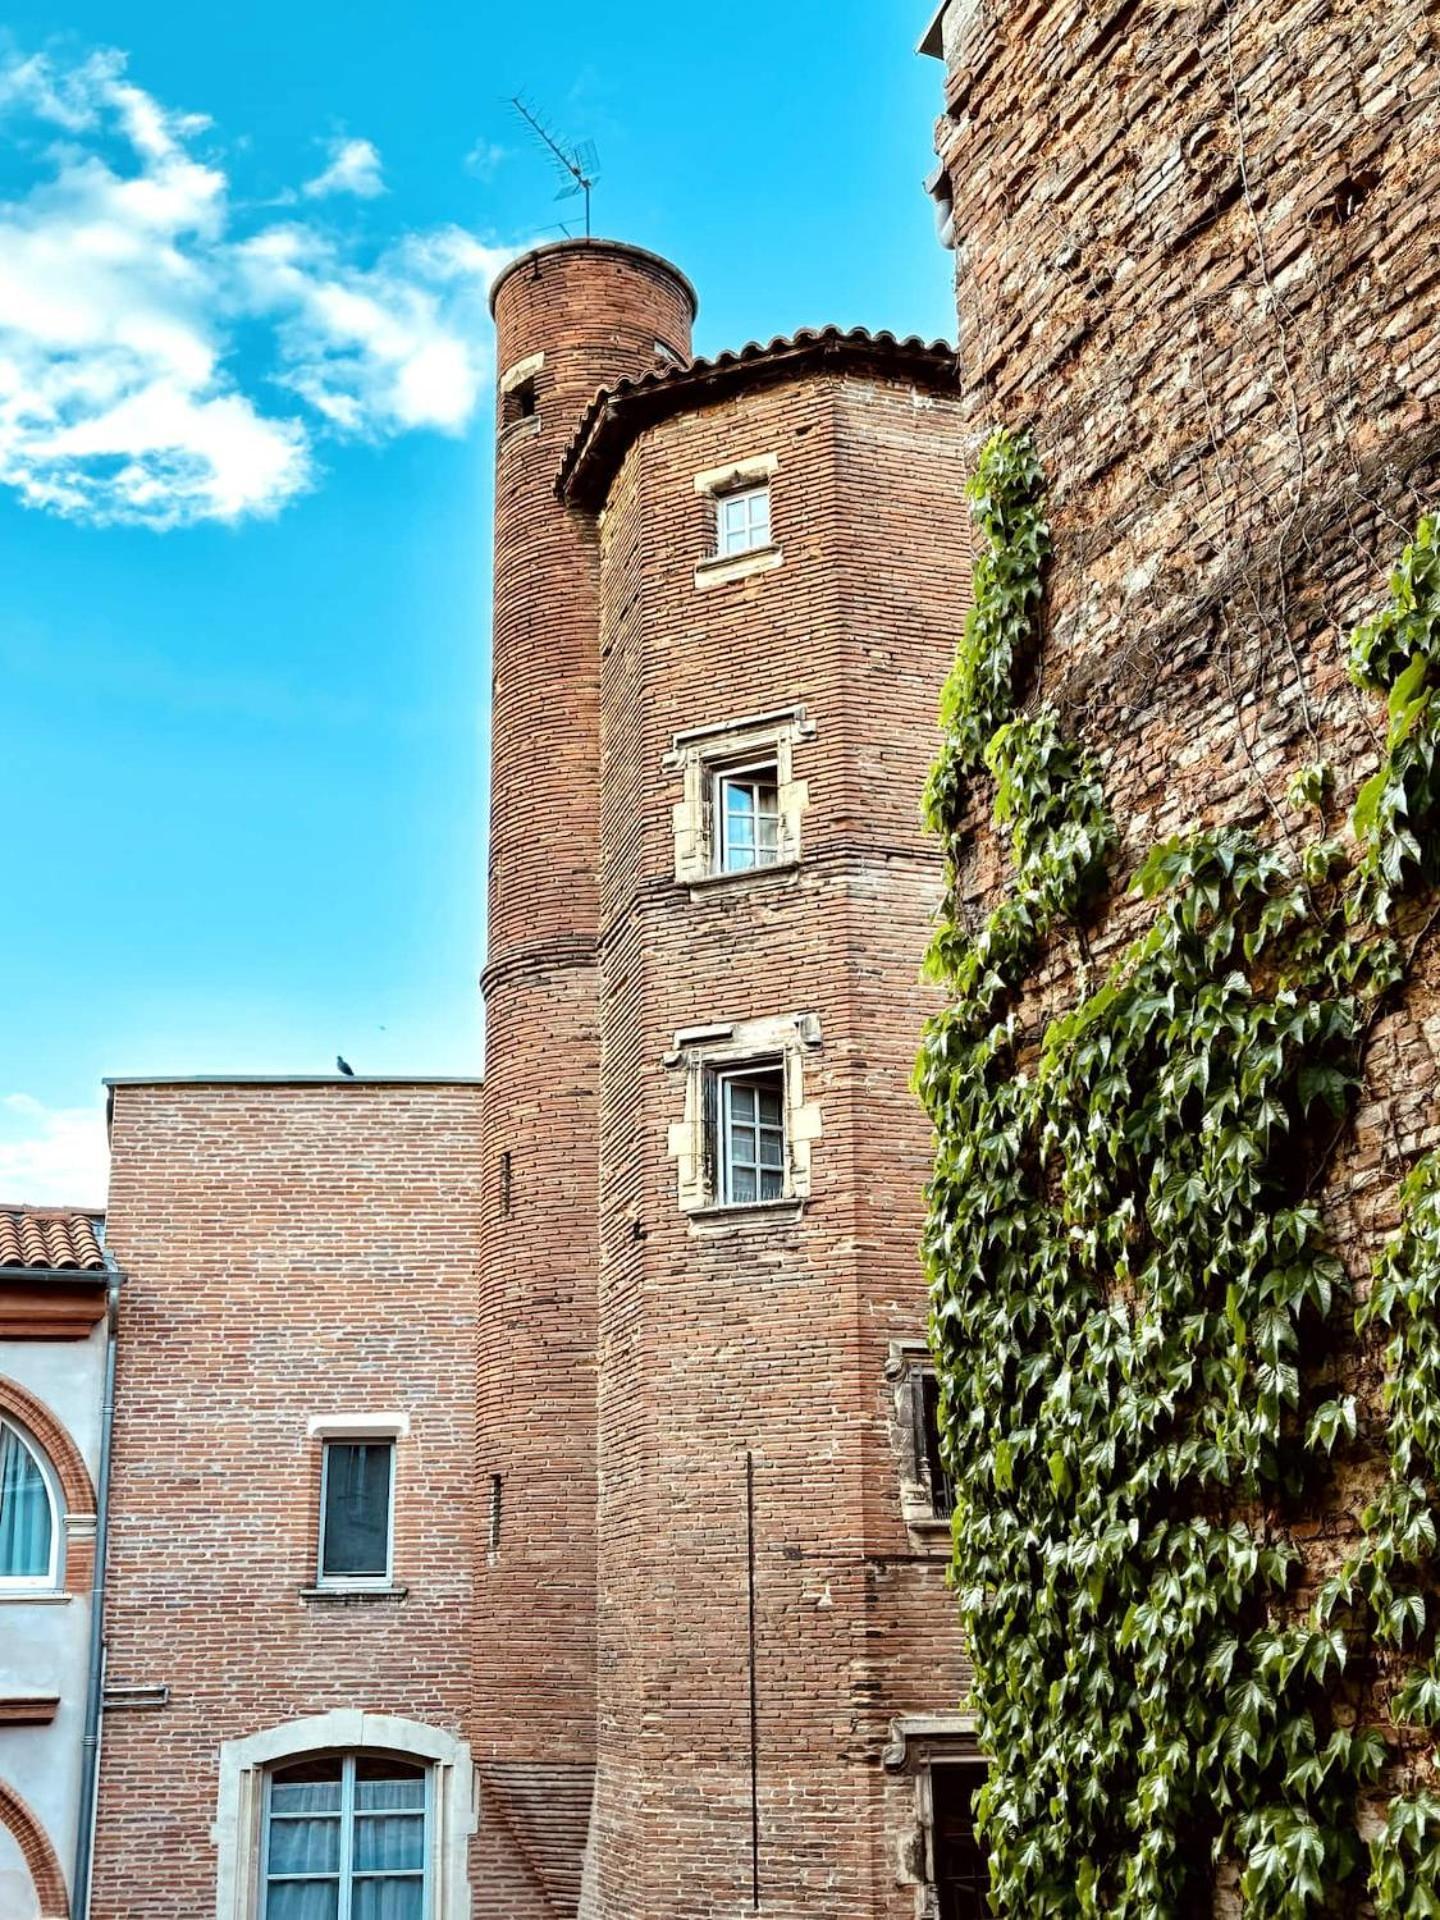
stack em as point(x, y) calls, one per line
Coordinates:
point(618, 413)
point(49, 1240)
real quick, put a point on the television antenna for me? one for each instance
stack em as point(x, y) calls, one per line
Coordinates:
point(579, 163)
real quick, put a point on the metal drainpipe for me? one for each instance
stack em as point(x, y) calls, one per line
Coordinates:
point(90, 1752)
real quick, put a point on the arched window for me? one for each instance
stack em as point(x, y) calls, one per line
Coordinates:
point(345, 1815)
point(346, 1838)
point(29, 1515)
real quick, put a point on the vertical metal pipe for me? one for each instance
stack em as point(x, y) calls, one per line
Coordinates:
point(754, 1689)
point(95, 1685)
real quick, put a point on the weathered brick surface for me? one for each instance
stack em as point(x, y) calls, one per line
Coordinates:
point(290, 1252)
point(1197, 254)
point(768, 1337)
point(595, 313)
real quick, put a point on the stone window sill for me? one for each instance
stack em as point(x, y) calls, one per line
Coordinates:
point(522, 429)
point(720, 569)
point(349, 1596)
point(747, 1212)
point(702, 882)
point(43, 1597)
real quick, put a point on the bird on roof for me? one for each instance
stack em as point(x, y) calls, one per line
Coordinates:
point(344, 1065)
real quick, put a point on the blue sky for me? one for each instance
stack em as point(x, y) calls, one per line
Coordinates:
point(245, 476)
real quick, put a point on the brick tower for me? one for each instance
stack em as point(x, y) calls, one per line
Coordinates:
point(570, 318)
point(722, 588)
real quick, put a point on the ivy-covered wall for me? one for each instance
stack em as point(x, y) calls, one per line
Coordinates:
point(1183, 1237)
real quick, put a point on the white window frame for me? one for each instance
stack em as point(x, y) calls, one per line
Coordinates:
point(727, 1080)
point(49, 1581)
point(751, 774)
point(238, 1833)
point(349, 1582)
point(754, 530)
point(344, 1875)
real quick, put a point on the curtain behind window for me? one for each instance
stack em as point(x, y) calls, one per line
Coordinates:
point(25, 1519)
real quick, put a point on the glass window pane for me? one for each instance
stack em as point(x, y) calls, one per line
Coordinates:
point(315, 1797)
point(772, 1185)
point(26, 1525)
point(770, 1105)
point(742, 1183)
point(379, 1784)
point(357, 1508)
point(324, 1767)
point(393, 1841)
point(388, 1900)
point(772, 1149)
point(302, 1900)
point(742, 1100)
point(304, 1846)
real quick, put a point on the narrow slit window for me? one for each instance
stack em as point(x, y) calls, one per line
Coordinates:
point(356, 1511)
point(742, 521)
point(346, 1838)
point(747, 809)
point(520, 403)
point(752, 1136)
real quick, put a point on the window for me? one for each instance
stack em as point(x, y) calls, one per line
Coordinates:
point(519, 403)
point(958, 1872)
point(29, 1533)
point(740, 804)
point(357, 1485)
point(752, 1135)
point(747, 812)
point(928, 1455)
point(345, 1838)
point(748, 1131)
point(742, 521)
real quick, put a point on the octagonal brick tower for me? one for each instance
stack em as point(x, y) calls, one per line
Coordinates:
point(570, 318)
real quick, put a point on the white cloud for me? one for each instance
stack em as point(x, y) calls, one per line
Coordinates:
point(354, 168)
point(52, 1156)
point(129, 283)
point(484, 158)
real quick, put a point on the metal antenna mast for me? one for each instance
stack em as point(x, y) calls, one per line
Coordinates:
point(579, 164)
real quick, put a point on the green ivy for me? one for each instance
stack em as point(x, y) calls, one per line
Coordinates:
point(1133, 1301)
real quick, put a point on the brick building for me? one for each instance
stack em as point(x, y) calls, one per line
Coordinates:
point(524, 1497)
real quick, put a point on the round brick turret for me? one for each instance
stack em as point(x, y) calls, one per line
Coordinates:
point(570, 318)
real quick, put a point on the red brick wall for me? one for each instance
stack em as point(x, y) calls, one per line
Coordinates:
point(595, 312)
point(769, 1337)
point(290, 1251)
point(1198, 256)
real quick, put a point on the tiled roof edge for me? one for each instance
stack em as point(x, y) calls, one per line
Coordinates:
point(58, 1240)
point(618, 413)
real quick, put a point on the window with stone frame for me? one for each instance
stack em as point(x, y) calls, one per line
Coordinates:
point(933, 1759)
point(738, 520)
point(927, 1492)
point(747, 1131)
point(740, 804)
